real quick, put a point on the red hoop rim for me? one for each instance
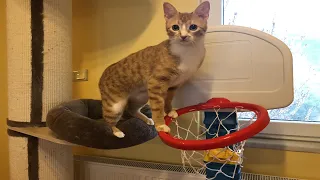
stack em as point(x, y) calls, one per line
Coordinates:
point(257, 126)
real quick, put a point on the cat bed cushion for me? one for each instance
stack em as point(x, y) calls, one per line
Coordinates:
point(80, 122)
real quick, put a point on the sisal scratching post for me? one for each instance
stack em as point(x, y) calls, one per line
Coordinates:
point(39, 78)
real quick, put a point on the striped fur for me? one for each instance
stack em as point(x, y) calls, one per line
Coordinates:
point(155, 72)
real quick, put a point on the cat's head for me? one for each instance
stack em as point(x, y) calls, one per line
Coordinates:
point(186, 28)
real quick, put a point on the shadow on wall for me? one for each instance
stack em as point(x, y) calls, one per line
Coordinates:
point(113, 22)
point(102, 29)
point(264, 161)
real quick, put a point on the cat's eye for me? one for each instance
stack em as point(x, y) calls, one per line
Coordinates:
point(175, 27)
point(193, 27)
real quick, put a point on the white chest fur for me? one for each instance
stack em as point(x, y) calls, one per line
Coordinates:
point(190, 59)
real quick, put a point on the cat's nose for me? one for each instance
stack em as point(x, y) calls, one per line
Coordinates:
point(184, 37)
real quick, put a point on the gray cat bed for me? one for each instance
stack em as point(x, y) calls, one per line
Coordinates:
point(80, 122)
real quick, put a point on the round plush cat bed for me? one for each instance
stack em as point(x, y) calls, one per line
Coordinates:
point(80, 122)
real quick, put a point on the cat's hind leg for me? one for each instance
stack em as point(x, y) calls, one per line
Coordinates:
point(112, 110)
point(135, 104)
point(138, 114)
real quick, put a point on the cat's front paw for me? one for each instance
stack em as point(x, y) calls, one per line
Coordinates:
point(173, 114)
point(163, 128)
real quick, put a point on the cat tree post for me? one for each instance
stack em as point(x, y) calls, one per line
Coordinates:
point(39, 77)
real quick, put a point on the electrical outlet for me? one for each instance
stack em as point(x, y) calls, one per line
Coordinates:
point(81, 75)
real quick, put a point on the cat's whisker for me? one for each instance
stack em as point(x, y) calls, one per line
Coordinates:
point(193, 43)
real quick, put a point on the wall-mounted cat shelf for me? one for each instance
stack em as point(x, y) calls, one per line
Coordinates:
point(79, 123)
point(42, 133)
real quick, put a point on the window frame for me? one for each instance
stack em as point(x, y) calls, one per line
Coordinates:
point(279, 134)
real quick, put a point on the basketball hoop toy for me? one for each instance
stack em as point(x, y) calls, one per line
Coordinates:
point(214, 146)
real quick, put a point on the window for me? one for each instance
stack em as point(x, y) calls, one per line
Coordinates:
point(294, 23)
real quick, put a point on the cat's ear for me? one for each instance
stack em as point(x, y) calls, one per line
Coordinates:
point(169, 10)
point(203, 10)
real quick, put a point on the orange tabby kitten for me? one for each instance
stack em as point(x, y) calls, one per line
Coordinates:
point(154, 73)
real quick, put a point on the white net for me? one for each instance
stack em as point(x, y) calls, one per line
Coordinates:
point(221, 163)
